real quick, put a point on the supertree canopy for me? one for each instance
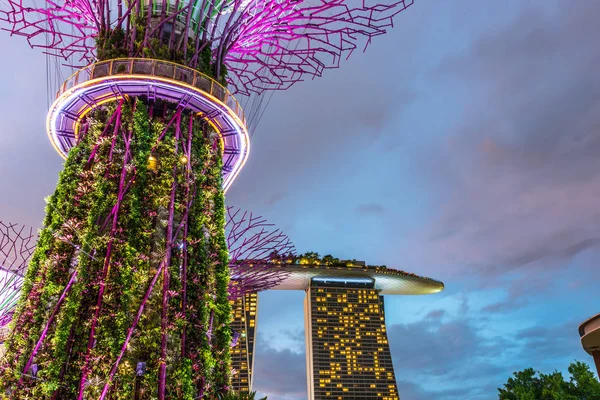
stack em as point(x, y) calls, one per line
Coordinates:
point(127, 293)
point(254, 45)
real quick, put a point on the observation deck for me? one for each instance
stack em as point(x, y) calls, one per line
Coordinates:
point(589, 331)
point(386, 280)
point(106, 81)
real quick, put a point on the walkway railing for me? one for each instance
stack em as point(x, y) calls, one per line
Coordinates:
point(158, 68)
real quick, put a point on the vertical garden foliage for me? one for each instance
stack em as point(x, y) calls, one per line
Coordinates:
point(106, 225)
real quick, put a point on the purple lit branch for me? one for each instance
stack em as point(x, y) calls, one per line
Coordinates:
point(253, 246)
point(282, 42)
point(62, 28)
point(264, 44)
point(17, 243)
point(249, 277)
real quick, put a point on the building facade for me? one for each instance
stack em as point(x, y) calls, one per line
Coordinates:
point(244, 312)
point(347, 351)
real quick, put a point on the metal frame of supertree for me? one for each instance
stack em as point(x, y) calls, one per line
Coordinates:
point(253, 245)
point(17, 243)
point(264, 44)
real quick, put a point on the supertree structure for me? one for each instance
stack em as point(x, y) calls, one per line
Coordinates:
point(127, 290)
point(253, 45)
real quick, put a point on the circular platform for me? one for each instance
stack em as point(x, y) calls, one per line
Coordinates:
point(589, 331)
point(111, 80)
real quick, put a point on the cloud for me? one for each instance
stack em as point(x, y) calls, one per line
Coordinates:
point(370, 209)
point(516, 177)
point(411, 391)
point(521, 289)
point(276, 198)
point(553, 342)
point(436, 314)
point(435, 347)
point(295, 335)
point(279, 374)
point(451, 359)
point(458, 357)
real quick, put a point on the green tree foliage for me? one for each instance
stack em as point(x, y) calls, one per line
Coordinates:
point(531, 385)
point(240, 396)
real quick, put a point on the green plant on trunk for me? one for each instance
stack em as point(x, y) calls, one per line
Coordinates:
point(112, 44)
point(124, 242)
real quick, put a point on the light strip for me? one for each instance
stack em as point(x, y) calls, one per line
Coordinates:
point(63, 101)
point(332, 279)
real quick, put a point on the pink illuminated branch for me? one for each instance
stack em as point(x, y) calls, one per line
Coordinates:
point(253, 246)
point(17, 244)
point(282, 42)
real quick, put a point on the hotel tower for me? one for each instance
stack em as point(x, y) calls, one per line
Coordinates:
point(242, 354)
point(347, 351)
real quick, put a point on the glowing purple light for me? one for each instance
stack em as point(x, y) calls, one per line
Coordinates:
point(70, 101)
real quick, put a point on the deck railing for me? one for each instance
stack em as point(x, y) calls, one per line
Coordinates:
point(157, 68)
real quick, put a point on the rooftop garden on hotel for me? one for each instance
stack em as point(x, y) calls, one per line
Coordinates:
point(328, 261)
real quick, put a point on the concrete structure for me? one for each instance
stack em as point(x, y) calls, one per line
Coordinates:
point(244, 311)
point(589, 331)
point(347, 350)
point(385, 280)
